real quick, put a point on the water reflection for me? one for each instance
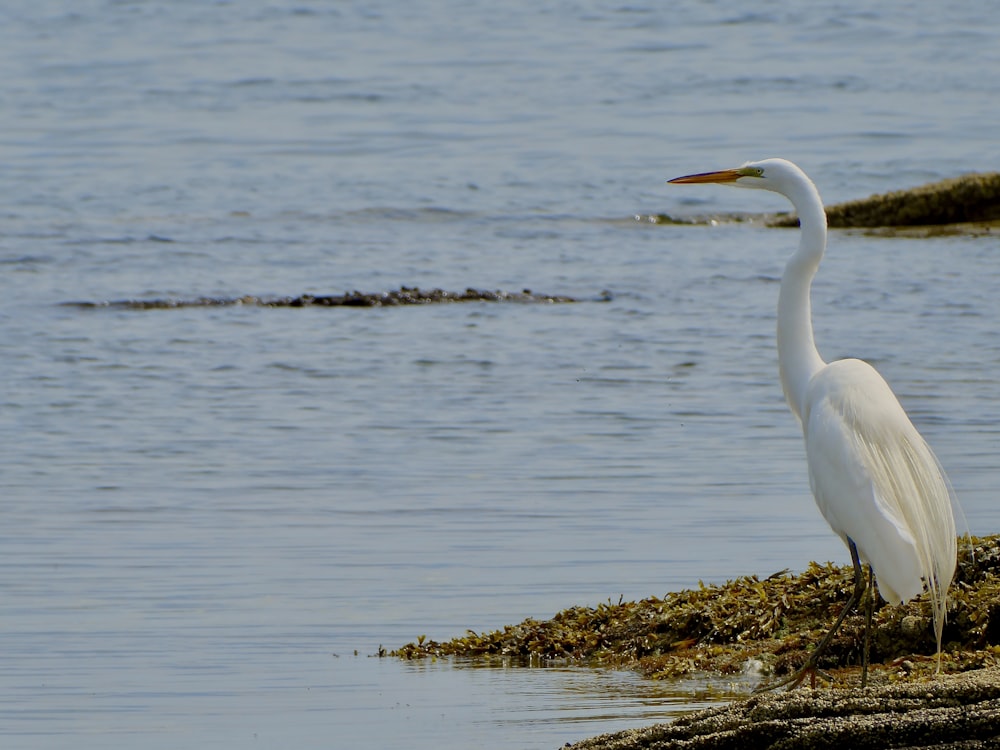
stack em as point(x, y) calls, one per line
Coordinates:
point(566, 696)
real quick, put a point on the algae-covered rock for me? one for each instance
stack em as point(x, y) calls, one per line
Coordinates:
point(969, 204)
point(965, 199)
point(771, 623)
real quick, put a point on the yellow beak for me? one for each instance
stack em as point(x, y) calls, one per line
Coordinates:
point(725, 175)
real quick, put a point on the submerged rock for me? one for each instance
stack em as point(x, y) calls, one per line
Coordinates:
point(402, 296)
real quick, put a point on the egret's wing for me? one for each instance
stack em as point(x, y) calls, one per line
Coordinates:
point(849, 500)
point(877, 481)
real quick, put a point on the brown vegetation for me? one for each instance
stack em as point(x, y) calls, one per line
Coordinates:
point(767, 624)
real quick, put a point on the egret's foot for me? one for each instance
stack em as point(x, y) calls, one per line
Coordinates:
point(809, 669)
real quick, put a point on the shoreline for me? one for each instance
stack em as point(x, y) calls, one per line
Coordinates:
point(767, 626)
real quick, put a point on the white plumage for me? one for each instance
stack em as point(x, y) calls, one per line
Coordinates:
point(875, 480)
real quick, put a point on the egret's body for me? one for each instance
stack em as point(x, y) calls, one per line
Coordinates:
point(874, 478)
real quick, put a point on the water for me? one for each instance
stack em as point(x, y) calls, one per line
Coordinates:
point(211, 519)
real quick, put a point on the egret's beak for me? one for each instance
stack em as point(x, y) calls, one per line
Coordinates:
point(725, 175)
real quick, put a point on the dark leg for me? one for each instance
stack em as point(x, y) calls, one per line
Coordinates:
point(813, 662)
point(869, 607)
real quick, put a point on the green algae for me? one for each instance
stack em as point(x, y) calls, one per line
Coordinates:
point(768, 623)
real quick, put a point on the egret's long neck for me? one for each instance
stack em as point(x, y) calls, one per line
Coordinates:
point(798, 358)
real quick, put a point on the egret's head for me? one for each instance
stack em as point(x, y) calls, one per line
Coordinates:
point(769, 174)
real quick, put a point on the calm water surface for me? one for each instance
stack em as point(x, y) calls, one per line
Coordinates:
point(211, 519)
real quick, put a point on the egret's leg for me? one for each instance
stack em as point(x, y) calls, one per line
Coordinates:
point(869, 607)
point(812, 663)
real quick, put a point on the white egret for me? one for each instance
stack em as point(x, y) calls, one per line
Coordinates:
point(875, 480)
